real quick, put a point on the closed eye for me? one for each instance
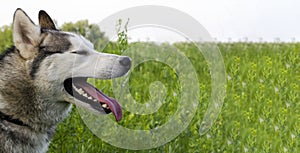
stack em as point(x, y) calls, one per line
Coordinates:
point(42, 47)
point(80, 52)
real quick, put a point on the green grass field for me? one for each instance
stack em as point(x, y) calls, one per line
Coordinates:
point(260, 112)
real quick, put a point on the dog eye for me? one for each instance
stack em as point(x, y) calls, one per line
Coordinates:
point(42, 47)
point(80, 52)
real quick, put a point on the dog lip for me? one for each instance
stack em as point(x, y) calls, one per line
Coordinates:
point(113, 105)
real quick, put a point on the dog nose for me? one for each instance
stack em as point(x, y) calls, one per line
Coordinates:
point(125, 61)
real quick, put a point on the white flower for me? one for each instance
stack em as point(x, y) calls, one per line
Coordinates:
point(276, 89)
point(243, 84)
point(276, 128)
point(287, 66)
point(174, 94)
point(245, 149)
point(228, 142)
point(285, 149)
point(287, 104)
point(261, 120)
point(228, 77)
point(261, 80)
point(293, 136)
point(208, 136)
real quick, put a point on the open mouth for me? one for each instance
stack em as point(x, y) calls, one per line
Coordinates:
point(85, 92)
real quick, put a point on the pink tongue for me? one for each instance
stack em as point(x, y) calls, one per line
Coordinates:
point(114, 106)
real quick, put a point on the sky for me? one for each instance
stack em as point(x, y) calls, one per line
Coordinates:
point(225, 20)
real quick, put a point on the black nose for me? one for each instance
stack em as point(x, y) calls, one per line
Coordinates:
point(125, 61)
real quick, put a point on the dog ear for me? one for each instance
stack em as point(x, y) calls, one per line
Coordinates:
point(25, 34)
point(45, 21)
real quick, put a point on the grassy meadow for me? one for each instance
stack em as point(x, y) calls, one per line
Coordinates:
point(260, 112)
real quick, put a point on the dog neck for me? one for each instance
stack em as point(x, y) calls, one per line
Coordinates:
point(10, 119)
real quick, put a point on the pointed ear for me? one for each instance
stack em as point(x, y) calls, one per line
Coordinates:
point(25, 34)
point(45, 21)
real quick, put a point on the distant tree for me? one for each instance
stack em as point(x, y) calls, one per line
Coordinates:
point(80, 27)
point(89, 31)
point(5, 37)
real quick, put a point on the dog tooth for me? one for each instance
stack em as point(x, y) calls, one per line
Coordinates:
point(85, 95)
point(104, 105)
point(80, 91)
point(95, 100)
point(74, 87)
point(90, 98)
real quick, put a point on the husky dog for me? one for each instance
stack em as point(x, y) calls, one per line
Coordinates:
point(42, 75)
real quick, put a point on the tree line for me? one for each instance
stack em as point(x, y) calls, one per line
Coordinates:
point(90, 31)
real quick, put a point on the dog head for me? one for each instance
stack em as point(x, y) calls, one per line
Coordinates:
point(61, 62)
